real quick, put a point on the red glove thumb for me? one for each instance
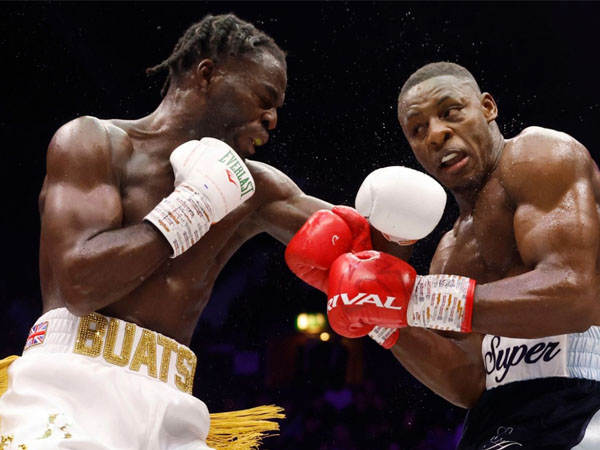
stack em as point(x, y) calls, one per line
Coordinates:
point(359, 227)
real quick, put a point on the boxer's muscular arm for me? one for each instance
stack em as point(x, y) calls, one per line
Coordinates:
point(95, 260)
point(288, 208)
point(551, 180)
point(449, 364)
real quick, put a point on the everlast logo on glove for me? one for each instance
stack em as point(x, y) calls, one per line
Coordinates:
point(361, 299)
point(231, 160)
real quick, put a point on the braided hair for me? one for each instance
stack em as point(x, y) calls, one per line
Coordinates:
point(215, 37)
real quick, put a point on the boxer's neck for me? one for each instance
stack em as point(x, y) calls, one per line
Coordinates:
point(466, 197)
point(177, 119)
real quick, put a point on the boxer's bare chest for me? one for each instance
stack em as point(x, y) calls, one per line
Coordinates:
point(183, 283)
point(481, 244)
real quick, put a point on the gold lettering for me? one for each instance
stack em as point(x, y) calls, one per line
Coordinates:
point(186, 382)
point(169, 345)
point(111, 340)
point(145, 353)
point(91, 328)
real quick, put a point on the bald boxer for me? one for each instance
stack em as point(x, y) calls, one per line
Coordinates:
point(506, 323)
point(138, 217)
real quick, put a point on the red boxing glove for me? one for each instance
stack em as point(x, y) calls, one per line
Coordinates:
point(367, 291)
point(322, 239)
point(372, 288)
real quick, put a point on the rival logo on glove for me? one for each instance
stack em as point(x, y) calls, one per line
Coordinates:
point(360, 299)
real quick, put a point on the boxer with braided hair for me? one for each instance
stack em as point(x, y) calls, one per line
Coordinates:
point(215, 37)
point(138, 218)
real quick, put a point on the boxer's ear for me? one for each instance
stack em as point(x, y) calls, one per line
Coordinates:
point(489, 107)
point(205, 69)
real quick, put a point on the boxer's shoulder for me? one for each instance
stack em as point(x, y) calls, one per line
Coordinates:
point(88, 144)
point(541, 157)
point(537, 145)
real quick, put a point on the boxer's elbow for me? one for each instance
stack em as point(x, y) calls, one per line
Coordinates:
point(77, 306)
point(467, 391)
point(79, 287)
point(468, 399)
point(77, 299)
point(585, 301)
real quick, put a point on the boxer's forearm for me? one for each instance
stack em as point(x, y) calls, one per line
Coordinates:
point(451, 368)
point(536, 304)
point(108, 266)
point(283, 218)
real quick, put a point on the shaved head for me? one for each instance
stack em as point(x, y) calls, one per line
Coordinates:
point(438, 69)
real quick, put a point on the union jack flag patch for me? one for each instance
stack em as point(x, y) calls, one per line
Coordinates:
point(37, 334)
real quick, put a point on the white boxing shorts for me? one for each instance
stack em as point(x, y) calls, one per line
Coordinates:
point(100, 383)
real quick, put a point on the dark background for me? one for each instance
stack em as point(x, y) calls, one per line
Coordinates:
point(346, 64)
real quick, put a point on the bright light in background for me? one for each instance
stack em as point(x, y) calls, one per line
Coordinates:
point(302, 321)
point(310, 322)
point(324, 336)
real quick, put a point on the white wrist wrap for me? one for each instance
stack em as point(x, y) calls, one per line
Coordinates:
point(442, 302)
point(183, 217)
point(381, 334)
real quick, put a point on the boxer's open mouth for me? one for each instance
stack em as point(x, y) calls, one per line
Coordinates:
point(450, 159)
point(453, 160)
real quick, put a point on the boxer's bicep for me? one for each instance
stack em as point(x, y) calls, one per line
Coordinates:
point(72, 216)
point(81, 197)
point(556, 219)
point(556, 231)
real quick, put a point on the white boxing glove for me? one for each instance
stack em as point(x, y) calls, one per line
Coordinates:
point(211, 180)
point(404, 204)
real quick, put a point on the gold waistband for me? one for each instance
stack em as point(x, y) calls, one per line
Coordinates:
point(114, 342)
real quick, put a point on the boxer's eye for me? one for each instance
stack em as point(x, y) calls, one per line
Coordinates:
point(452, 112)
point(263, 101)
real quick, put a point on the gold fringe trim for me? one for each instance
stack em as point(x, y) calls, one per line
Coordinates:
point(243, 430)
point(4, 363)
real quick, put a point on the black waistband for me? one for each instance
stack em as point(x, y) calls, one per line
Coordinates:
point(545, 413)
